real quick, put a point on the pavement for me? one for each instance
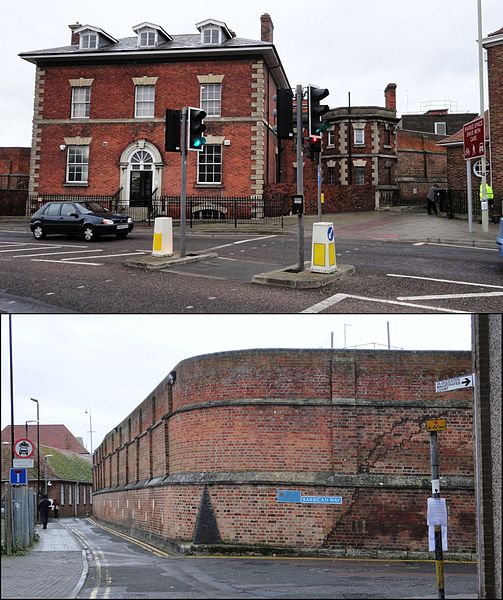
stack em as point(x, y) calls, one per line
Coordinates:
point(55, 567)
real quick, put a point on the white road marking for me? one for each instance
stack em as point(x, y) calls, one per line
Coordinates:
point(499, 287)
point(450, 296)
point(105, 255)
point(19, 249)
point(174, 271)
point(419, 244)
point(66, 262)
point(316, 308)
point(243, 242)
point(459, 246)
point(42, 244)
point(55, 253)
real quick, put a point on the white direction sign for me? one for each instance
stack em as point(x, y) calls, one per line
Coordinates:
point(456, 383)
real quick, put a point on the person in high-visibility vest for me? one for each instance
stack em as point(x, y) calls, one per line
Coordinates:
point(489, 192)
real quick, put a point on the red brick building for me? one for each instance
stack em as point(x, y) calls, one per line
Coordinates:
point(207, 455)
point(100, 104)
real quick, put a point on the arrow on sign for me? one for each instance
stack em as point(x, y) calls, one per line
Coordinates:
point(467, 381)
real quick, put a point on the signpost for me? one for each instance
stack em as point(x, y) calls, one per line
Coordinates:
point(456, 383)
point(24, 448)
point(18, 476)
point(473, 139)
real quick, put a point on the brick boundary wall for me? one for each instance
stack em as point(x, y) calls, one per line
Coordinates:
point(199, 462)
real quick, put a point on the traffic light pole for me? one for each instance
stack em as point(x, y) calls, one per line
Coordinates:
point(183, 196)
point(300, 173)
point(319, 186)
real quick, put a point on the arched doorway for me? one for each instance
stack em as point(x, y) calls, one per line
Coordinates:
point(141, 173)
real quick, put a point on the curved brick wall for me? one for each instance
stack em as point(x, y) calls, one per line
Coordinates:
point(242, 425)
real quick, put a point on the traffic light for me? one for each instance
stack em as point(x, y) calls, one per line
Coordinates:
point(195, 129)
point(316, 110)
point(172, 131)
point(314, 146)
point(284, 114)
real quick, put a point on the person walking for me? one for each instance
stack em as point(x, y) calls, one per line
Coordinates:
point(431, 198)
point(44, 506)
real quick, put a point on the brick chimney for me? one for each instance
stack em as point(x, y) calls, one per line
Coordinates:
point(390, 96)
point(266, 28)
point(75, 36)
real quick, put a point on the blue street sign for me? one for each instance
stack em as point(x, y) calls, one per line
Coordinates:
point(297, 497)
point(288, 495)
point(330, 234)
point(18, 476)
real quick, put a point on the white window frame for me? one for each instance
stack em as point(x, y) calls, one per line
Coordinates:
point(211, 30)
point(202, 165)
point(144, 102)
point(79, 102)
point(84, 163)
point(77, 494)
point(477, 168)
point(330, 137)
point(359, 170)
point(70, 495)
point(359, 137)
point(212, 103)
point(444, 128)
point(62, 495)
point(86, 38)
point(147, 31)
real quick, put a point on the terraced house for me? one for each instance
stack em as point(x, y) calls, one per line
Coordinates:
point(100, 102)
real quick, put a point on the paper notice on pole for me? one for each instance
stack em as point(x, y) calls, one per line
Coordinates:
point(437, 512)
point(431, 538)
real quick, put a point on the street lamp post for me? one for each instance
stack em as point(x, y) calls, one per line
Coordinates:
point(88, 410)
point(45, 471)
point(38, 450)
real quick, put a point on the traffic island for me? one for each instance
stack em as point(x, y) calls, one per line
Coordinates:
point(155, 263)
point(294, 278)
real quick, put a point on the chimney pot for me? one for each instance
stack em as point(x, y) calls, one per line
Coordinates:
point(266, 28)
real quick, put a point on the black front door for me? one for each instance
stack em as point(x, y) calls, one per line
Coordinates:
point(140, 188)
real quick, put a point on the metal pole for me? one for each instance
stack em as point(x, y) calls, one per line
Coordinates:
point(319, 186)
point(435, 479)
point(483, 201)
point(11, 395)
point(389, 341)
point(469, 194)
point(300, 173)
point(45, 475)
point(183, 198)
point(332, 340)
point(350, 142)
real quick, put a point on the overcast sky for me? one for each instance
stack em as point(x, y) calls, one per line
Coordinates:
point(427, 47)
point(110, 363)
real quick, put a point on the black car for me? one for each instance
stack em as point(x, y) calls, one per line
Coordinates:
point(88, 219)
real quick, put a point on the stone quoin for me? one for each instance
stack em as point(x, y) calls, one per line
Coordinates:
point(203, 458)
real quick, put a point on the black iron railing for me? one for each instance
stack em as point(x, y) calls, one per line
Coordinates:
point(199, 209)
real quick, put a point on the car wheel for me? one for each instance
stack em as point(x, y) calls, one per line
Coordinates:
point(39, 232)
point(89, 233)
point(122, 234)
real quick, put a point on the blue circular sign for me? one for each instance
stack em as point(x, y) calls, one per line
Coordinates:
point(330, 234)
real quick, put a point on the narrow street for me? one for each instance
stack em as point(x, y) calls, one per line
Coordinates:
point(120, 567)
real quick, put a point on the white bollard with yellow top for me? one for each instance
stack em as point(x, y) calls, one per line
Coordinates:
point(163, 237)
point(323, 251)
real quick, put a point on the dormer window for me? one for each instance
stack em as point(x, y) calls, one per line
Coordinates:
point(147, 38)
point(214, 32)
point(211, 35)
point(88, 40)
point(151, 35)
point(92, 37)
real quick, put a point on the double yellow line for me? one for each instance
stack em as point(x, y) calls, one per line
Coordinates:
point(144, 545)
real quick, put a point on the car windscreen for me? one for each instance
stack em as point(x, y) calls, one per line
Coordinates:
point(88, 207)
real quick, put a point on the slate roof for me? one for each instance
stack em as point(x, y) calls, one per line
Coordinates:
point(457, 138)
point(180, 42)
point(56, 436)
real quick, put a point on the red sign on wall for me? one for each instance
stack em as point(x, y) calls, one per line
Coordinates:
point(473, 138)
